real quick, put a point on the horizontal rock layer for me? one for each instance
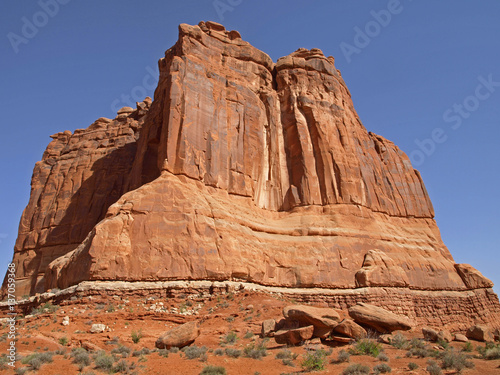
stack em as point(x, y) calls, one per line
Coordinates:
point(240, 169)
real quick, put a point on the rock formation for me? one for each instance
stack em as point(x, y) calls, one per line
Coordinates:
point(243, 169)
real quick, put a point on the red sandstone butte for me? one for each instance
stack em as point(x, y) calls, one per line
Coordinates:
point(243, 169)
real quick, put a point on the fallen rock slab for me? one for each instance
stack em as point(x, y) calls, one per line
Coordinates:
point(351, 329)
point(294, 336)
point(179, 336)
point(480, 332)
point(430, 334)
point(268, 328)
point(317, 316)
point(461, 338)
point(97, 328)
point(378, 318)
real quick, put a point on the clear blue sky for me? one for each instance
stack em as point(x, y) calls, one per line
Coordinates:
point(412, 76)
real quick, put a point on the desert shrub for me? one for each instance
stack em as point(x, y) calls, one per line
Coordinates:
point(103, 361)
point(493, 353)
point(122, 350)
point(234, 353)
point(45, 308)
point(193, 352)
point(383, 357)
point(143, 351)
point(356, 369)
point(412, 366)
point(213, 370)
point(219, 351)
point(433, 368)
point(382, 368)
point(399, 341)
point(287, 362)
point(455, 360)
point(248, 335)
point(21, 370)
point(3, 362)
point(136, 336)
point(467, 347)
point(36, 360)
point(343, 356)
point(417, 343)
point(63, 341)
point(417, 352)
point(256, 350)
point(122, 366)
point(366, 347)
point(443, 343)
point(81, 358)
point(174, 350)
point(286, 354)
point(314, 360)
point(231, 337)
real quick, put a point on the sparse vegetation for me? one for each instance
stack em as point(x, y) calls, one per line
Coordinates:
point(366, 347)
point(456, 361)
point(234, 353)
point(467, 347)
point(382, 368)
point(383, 357)
point(399, 341)
point(314, 360)
point(343, 356)
point(36, 360)
point(248, 335)
point(492, 353)
point(231, 337)
point(122, 350)
point(356, 369)
point(412, 366)
point(136, 336)
point(103, 361)
point(194, 352)
point(213, 370)
point(218, 352)
point(256, 350)
point(63, 341)
point(433, 368)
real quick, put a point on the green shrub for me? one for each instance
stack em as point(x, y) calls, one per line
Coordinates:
point(467, 347)
point(412, 366)
point(356, 369)
point(63, 341)
point(382, 368)
point(213, 370)
point(366, 347)
point(136, 336)
point(443, 343)
point(234, 353)
point(231, 338)
point(314, 360)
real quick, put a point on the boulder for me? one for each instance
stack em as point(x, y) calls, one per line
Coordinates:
point(472, 278)
point(294, 336)
point(268, 328)
point(323, 319)
point(461, 338)
point(349, 328)
point(180, 336)
point(378, 318)
point(445, 336)
point(430, 334)
point(480, 332)
point(97, 328)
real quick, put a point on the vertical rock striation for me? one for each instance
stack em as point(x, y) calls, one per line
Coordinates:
point(240, 169)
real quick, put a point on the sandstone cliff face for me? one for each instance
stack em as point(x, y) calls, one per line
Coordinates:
point(244, 169)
